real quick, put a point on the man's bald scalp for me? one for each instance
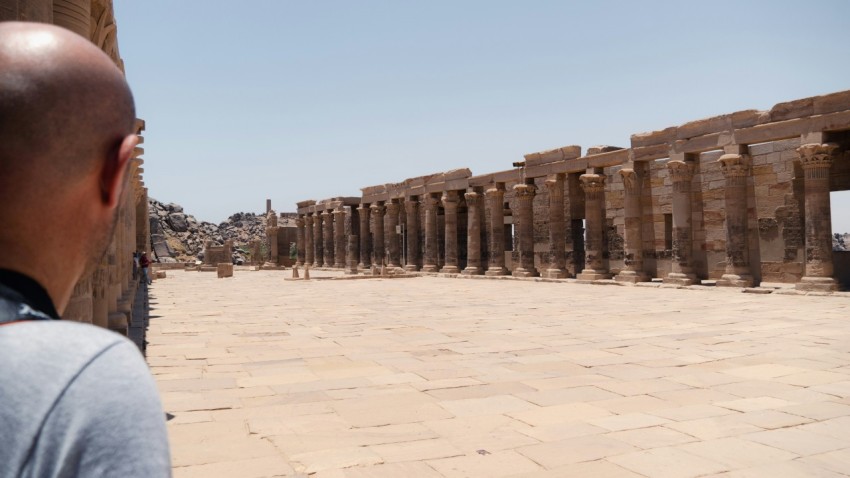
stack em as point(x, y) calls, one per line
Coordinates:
point(64, 105)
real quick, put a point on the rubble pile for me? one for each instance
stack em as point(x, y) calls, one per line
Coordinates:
point(179, 237)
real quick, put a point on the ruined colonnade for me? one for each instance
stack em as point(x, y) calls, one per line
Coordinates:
point(701, 201)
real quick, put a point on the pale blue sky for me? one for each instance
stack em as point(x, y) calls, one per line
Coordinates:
point(293, 100)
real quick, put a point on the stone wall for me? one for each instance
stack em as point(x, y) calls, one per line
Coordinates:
point(106, 294)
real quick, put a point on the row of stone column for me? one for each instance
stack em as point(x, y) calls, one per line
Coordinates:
point(324, 243)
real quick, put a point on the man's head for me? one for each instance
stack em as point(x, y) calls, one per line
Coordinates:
point(66, 137)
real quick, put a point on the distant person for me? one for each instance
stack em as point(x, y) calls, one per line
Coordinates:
point(135, 265)
point(75, 400)
point(145, 263)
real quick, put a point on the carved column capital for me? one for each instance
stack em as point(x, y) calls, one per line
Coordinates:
point(525, 192)
point(429, 202)
point(450, 200)
point(363, 207)
point(472, 197)
point(391, 207)
point(592, 183)
point(299, 221)
point(680, 171)
point(816, 156)
point(411, 206)
point(631, 180)
point(496, 190)
point(339, 211)
point(377, 208)
point(734, 165)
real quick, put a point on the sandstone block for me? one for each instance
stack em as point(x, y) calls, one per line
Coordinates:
point(225, 270)
point(792, 109)
point(831, 103)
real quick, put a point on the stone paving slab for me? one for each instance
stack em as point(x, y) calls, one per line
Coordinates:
point(439, 377)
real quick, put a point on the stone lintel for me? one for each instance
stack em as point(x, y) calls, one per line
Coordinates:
point(650, 153)
point(553, 155)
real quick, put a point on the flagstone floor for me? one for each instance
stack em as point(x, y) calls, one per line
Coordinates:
point(441, 377)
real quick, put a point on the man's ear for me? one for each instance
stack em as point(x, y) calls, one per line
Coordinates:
point(113, 174)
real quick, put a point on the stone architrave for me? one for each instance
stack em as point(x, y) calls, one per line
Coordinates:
point(318, 241)
point(365, 238)
point(450, 203)
point(473, 230)
point(735, 169)
point(299, 237)
point(496, 198)
point(393, 246)
point(632, 235)
point(339, 237)
point(816, 160)
point(524, 194)
point(378, 247)
point(429, 263)
point(309, 245)
point(328, 229)
point(681, 173)
point(557, 228)
point(595, 267)
point(411, 206)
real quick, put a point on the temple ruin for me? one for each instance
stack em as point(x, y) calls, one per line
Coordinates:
point(108, 295)
point(740, 199)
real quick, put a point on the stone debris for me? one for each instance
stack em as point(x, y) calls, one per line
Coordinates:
point(180, 237)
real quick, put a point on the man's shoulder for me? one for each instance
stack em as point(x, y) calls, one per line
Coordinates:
point(65, 337)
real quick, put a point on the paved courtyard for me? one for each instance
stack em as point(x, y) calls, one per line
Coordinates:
point(439, 377)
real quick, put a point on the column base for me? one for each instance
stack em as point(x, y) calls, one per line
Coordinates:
point(339, 265)
point(496, 271)
point(364, 267)
point(679, 278)
point(429, 268)
point(632, 277)
point(523, 272)
point(449, 270)
point(327, 265)
point(554, 274)
point(734, 280)
point(592, 274)
point(118, 322)
point(821, 284)
point(299, 264)
point(393, 266)
point(473, 271)
point(411, 268)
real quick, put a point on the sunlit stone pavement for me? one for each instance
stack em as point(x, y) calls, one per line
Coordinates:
point(437, 377)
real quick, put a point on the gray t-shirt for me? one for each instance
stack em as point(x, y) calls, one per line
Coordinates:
point(77, 400)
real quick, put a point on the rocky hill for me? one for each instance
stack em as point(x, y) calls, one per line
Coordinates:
point(179, 237)
point(841, 242)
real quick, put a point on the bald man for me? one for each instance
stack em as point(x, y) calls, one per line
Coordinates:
point(75, 400)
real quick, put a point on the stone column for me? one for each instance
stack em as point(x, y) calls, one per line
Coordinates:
point(339, 237)
point(393, 248)
point(735, 169)
point(429, 263)
point(328, 229)
point(309, 245)
point(816, 160)
point(595, 267)
point(632, 232)
point(412, 218)
point(450, 202)
point(496, 198)
point(75, 15)
point(378, 233)
point(681, 173)
point(299, 237)
point(557, 229)
point(525, 200)
point(318, 238)
point(365, 238)
point(473, 230)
